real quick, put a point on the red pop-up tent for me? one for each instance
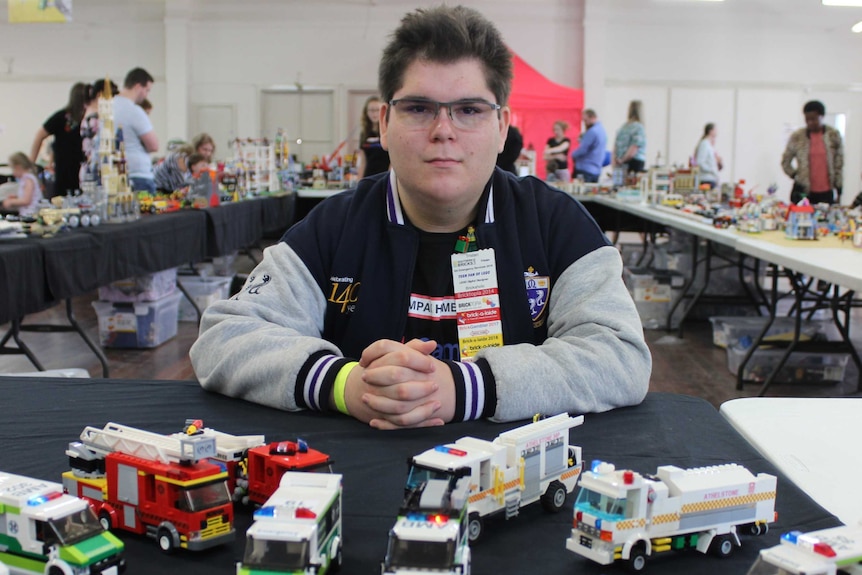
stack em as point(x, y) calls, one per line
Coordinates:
point(537, 103)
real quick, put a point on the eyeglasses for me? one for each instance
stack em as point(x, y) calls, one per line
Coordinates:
point(465, 114)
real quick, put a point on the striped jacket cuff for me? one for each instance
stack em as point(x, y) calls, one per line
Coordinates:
point(316, 379)
point(475, 390)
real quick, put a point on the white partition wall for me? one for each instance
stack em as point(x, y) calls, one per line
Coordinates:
point(690, 110)
point(655, 110)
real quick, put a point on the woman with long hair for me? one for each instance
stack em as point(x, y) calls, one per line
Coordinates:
point(556, 153)
point(26, 199)
point(373, 159)
point(630, 143)
point(65, 126)
point(706, 158)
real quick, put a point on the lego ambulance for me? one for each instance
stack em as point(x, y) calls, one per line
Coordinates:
point(430, 534)
point(298, 529)
point(43, 530)
point(527, 464)
point(833, 551)
point(621, 515)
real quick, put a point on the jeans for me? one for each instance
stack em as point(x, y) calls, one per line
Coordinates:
point(139, 184)
point(587, 177)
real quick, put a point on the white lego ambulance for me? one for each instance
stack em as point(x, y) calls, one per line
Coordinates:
point(833, 551)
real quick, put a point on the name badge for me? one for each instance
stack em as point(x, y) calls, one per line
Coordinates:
point(477, 302)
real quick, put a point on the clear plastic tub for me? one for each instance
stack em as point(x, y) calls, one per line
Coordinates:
point(150, 287)
point(137, 325)
point(742, 331)
point(801, 367)
point(205, 291)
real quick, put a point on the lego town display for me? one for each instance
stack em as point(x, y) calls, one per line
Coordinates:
point(800, 224)
point(825, 552)
point(527, 464)
point(298, 529)
point(621, 515)
point(430, 534)
point(253, 165)
point(43, 530)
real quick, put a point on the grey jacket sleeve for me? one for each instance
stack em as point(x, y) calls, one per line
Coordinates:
point(595, 357)
point(253, 345)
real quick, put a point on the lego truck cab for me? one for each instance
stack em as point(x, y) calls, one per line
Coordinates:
point(43, 530)
point(430, 534)
point(621, 515)
point(527, 464)
point(298, 529)
point(834, 551)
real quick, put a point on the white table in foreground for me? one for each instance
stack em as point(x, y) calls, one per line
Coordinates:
point(813, 441)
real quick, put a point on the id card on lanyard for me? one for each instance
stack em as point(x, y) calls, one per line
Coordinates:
point(477, 302)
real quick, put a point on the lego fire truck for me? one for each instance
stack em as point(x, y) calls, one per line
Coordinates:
point(623, 515)
point(162, 486)
point(527, 464)
point(43, 530)
point(268, 462)
point(298, 529)
point(430, 534)
point(824, 552)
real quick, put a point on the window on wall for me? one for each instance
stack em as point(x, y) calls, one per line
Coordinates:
point(304, 115)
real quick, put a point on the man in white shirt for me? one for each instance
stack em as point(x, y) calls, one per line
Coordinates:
point(138, 135)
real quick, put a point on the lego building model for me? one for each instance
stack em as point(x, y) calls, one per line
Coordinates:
point(254, 166)
point(621, 515)
point(122, 203)
point(800, 224)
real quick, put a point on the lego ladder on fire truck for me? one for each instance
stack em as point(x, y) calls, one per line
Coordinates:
point(147, 445)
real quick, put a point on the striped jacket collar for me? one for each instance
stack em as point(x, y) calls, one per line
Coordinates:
point(395, 214)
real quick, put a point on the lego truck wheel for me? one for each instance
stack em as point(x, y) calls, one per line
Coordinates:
point(722, 545)
point(168, 539)
point(755, 529)
point(475, 527)
point(105, 520)
point(637, 559)
point(555, 497)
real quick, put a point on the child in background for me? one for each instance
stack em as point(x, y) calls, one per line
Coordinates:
point(29, 191)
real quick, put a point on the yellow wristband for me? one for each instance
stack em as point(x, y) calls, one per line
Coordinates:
point(340, 384)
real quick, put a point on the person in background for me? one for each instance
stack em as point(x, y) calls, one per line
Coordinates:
point(178, 169)
point(204, 145)
point(706, 158)
point(814, 158)
point(556, 152)
point(147, 106)
point(511, 150)
point(355, 309)
point(630, 142)
point(90, 126)
point(373, 158)
point(590, 155)
point(65, 126)
point(138, 135)
point(26, 199)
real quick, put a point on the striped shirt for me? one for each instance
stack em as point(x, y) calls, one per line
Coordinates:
point(169, 176)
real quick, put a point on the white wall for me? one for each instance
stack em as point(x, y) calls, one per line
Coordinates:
point(749, 72)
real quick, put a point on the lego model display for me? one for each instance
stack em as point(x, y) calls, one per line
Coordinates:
point(146, 483)
point(430, 534)
point(267, 463)
point(527, 464)
point(121, 202)
point(800, 222)
point(298, 529)
point(43, 530)
point(833, 551)
point(253, 165)
point(621, 515)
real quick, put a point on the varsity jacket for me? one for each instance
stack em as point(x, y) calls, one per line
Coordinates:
point(341, 279)
point(799, 148)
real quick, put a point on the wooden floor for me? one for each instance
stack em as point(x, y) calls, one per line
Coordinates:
point(691, 365)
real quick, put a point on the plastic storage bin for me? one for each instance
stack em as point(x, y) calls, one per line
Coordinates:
point(653, 291)
point(742, 331)
point(204, 291)
point(137, 325)
point(801, 367)
point(150, 287)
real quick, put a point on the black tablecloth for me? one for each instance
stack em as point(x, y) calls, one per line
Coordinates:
point(22, 280)
point(278, 213)
point(42, 415)
point(231, 227)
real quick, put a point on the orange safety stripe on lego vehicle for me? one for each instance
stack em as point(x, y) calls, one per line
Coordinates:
point(483, 494)
point(190, 482)
point(749, 499)
point(570, 473)
point(630, 524)
point(666, 518)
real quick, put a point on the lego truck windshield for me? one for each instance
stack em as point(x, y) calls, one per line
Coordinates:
point(600, 504)
point(206, 496)
point(417, 475)
point(73, 528)
point(420, 554)
point(271, 555)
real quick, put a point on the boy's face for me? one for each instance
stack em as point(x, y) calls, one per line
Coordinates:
point(442, 163)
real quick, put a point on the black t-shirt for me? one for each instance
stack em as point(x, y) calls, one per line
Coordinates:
point(432, 298)
point(552, 142)
point(376, 158)
point(68, 151)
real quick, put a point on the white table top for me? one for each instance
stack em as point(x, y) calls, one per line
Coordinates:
point(813, 441)
point(318, 193)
